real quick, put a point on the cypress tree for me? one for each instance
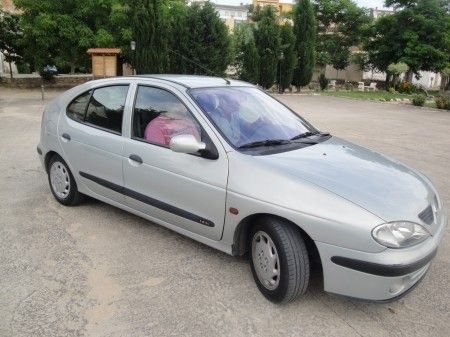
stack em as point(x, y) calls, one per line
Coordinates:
point(209, 44)
point(247, 57)
point(305, 31)
point(179, 39)
point(149, 26)
point(250, 64)
point(289, 60)
point(267, 40)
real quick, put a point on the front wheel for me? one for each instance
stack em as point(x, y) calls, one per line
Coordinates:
point(279, 260)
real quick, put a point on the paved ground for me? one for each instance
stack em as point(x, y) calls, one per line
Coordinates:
point(94, 270)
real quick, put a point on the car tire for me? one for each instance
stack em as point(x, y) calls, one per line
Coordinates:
point(280, 246)
point(61, 181)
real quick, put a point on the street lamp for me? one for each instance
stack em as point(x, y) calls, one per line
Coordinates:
point(133, 49)
point(280, 86)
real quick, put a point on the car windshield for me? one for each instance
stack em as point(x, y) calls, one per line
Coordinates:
point(246, 115)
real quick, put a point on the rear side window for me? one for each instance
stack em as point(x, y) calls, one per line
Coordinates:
point(77, 108)
point(105, 109)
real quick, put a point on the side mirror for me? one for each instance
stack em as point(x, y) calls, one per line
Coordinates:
point(186, 144)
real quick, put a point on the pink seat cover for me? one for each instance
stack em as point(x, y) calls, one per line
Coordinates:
point(161, 129)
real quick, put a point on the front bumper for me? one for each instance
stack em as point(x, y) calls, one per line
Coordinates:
point(377, 276)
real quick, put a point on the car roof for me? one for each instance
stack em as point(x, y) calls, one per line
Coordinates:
point(197, 81)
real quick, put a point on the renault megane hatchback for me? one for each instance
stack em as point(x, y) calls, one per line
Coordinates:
point(223, 163)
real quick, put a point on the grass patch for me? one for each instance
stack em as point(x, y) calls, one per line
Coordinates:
point(367, 95)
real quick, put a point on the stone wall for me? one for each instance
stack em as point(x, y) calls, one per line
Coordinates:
point(33, 81)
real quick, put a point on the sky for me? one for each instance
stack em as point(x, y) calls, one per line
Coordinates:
point(362, 3)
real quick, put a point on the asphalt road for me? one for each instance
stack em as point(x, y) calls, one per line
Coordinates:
point(94, 270)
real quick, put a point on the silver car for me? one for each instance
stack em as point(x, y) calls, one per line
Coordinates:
point(223, 163)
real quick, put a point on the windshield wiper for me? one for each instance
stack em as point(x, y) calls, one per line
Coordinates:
point(304, 135)
point(309, 134)
point(267, 142)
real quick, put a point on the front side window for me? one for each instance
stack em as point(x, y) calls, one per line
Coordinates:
point(248, 115)
point(105, 109)
point(159, 115)
point(77, 108)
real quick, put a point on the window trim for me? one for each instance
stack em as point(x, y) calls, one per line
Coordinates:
point(89, 101)
point(133, 137)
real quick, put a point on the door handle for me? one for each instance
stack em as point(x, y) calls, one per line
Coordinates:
point(66, 136)
point(136, 158)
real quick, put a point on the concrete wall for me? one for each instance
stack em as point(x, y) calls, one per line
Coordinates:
point(428, 79)
point(352, 73)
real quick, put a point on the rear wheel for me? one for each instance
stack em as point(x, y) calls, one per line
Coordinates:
point(279, 260)
point(62, 183)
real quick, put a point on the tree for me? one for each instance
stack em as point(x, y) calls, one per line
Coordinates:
point(289, 60)
point(445, 82)
point(247, 57)
point(149, 29)
point(305, 31)
point(208, 47)
point(396, 69)
point(11, 34)
point(179, 38)
point(417, 34)
point(254, 12)
point(267, 41)
point(340, 59)
point(61, 33)
point(340, 26)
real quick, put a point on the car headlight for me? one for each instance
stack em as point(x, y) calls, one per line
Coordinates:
point(400, 234)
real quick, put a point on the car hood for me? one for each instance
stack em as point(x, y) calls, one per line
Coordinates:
point(382, 186)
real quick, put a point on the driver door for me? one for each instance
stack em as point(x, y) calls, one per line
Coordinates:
point(182, 190)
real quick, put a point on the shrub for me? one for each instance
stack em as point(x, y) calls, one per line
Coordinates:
point(398, 68)
point(392, 90)
point(405, 87)
point(323, 81)
point(418, 100)
point(313, 86)
point(23, 68)
point(442, 102)
point(47, 76)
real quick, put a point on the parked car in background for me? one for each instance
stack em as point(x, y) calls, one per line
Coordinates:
point(224, 163)
point(51, 69)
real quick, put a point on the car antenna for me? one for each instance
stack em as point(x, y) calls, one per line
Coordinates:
point(199, 65)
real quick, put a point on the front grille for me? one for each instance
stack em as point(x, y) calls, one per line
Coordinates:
point(427, 215)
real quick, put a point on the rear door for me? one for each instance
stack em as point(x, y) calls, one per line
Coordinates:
point(91, 137)
point(182, 190)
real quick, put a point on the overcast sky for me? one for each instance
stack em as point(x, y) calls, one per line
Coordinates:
point(362, 3)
